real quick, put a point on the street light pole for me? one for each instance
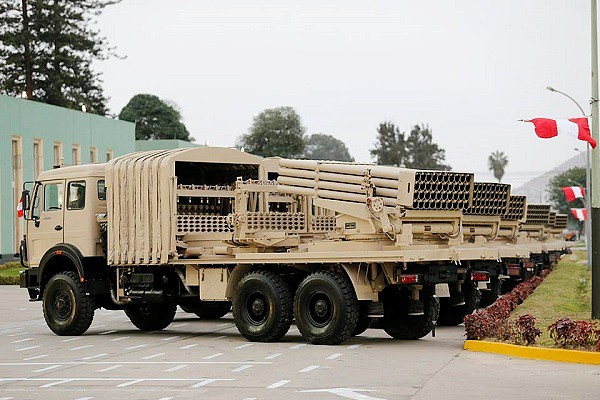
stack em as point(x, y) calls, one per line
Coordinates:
point(595, 170)
point(588, 193)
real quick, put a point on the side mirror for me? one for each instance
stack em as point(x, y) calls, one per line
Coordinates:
point(26, 198)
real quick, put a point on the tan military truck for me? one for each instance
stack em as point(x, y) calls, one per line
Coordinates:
point(331, 245)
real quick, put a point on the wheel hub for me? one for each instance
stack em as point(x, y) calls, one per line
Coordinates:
point(321, 308)
point(258, 307)
point(62, 305)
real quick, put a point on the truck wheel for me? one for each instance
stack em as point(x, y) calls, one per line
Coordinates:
point(207, 309)
point(398, 324)
point(67, 309)
point(326, 308)
point(454, 315)
point(151, 317)
point(364, 321)
point(488, 297)
point(262, 306)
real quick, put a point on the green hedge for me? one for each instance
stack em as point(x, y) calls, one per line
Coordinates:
point(10, 265)
point(9, 280)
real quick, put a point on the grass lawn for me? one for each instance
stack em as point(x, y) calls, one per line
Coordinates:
point(9, 273)
point(565, 293)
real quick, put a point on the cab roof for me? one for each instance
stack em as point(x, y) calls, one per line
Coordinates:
point(75, 171)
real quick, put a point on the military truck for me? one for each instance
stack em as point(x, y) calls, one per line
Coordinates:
point(333, 246)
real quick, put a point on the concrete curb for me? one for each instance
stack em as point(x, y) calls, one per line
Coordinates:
point(536, 353)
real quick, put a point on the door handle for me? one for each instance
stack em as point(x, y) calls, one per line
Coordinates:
point(58, 228)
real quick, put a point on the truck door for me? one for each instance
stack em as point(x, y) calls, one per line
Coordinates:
point(46, 229)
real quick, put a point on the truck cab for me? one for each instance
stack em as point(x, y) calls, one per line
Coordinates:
point(61, 228)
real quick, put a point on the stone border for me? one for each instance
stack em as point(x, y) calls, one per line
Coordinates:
point(536, 353)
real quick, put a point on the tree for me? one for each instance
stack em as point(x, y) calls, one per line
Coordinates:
point(416, 150)
point(154, 118)
point(497, 162)
point(275, 132)
point(390, 148)
point(47, 49)
point(422, 152)
point(326, 147)
point(571, 177)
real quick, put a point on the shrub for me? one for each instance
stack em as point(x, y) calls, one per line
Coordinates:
point(525, 331)
point(575, 334)
point(9, 280)
point(10, 265)
point(493, 322)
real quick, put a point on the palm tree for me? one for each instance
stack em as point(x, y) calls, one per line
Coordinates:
point(497, 162)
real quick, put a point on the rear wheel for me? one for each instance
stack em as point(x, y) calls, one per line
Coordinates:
point(262, 306)
point(396, 319)
point(488, 297)
point(326, 308)
point(151, 317)
point(68, 311)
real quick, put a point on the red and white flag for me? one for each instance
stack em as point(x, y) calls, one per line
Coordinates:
point(548, 128)
point(20, 212)
point(580, 213)
point(573, 192)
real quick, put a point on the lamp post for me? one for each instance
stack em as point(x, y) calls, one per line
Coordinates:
point(595, 167)
point(588, 193)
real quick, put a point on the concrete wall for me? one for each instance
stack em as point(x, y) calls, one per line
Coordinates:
point(26, 121)
point(145, 145)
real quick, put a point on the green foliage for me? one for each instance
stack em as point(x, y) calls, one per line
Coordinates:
point(275, 132)
point(415, 150)
point(497, 163)
point(326, 147)
point(571, 177)
point(47, 49)
point(154, 118)
point(9, 273)
point(10, 265)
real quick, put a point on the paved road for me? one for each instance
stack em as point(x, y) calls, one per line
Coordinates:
point(196, 359)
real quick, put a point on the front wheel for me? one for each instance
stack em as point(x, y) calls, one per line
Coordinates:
point(452, 315)
point(488, 297)
point(68, 311)
point(326, 308)
point(397, 321)
point(151, 317)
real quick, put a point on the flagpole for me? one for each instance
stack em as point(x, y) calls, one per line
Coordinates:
point(587, 223)
point(595, 214)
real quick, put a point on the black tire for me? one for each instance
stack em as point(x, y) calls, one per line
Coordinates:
point(454, 315)
point(364, 321)
point(488, 297)
point(151, 317)
point(207, 309)
point(262, 306)
point(398, 324)
point(326, 308)
point(68, 311)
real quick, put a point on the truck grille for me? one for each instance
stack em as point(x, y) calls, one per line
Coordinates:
point(516, 208)
point(489, 199)
point(537, 214)
point(441, 190)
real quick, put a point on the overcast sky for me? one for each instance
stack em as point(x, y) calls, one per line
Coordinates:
point(469, 69)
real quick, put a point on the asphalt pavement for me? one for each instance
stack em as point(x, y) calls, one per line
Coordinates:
point(196, 359)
